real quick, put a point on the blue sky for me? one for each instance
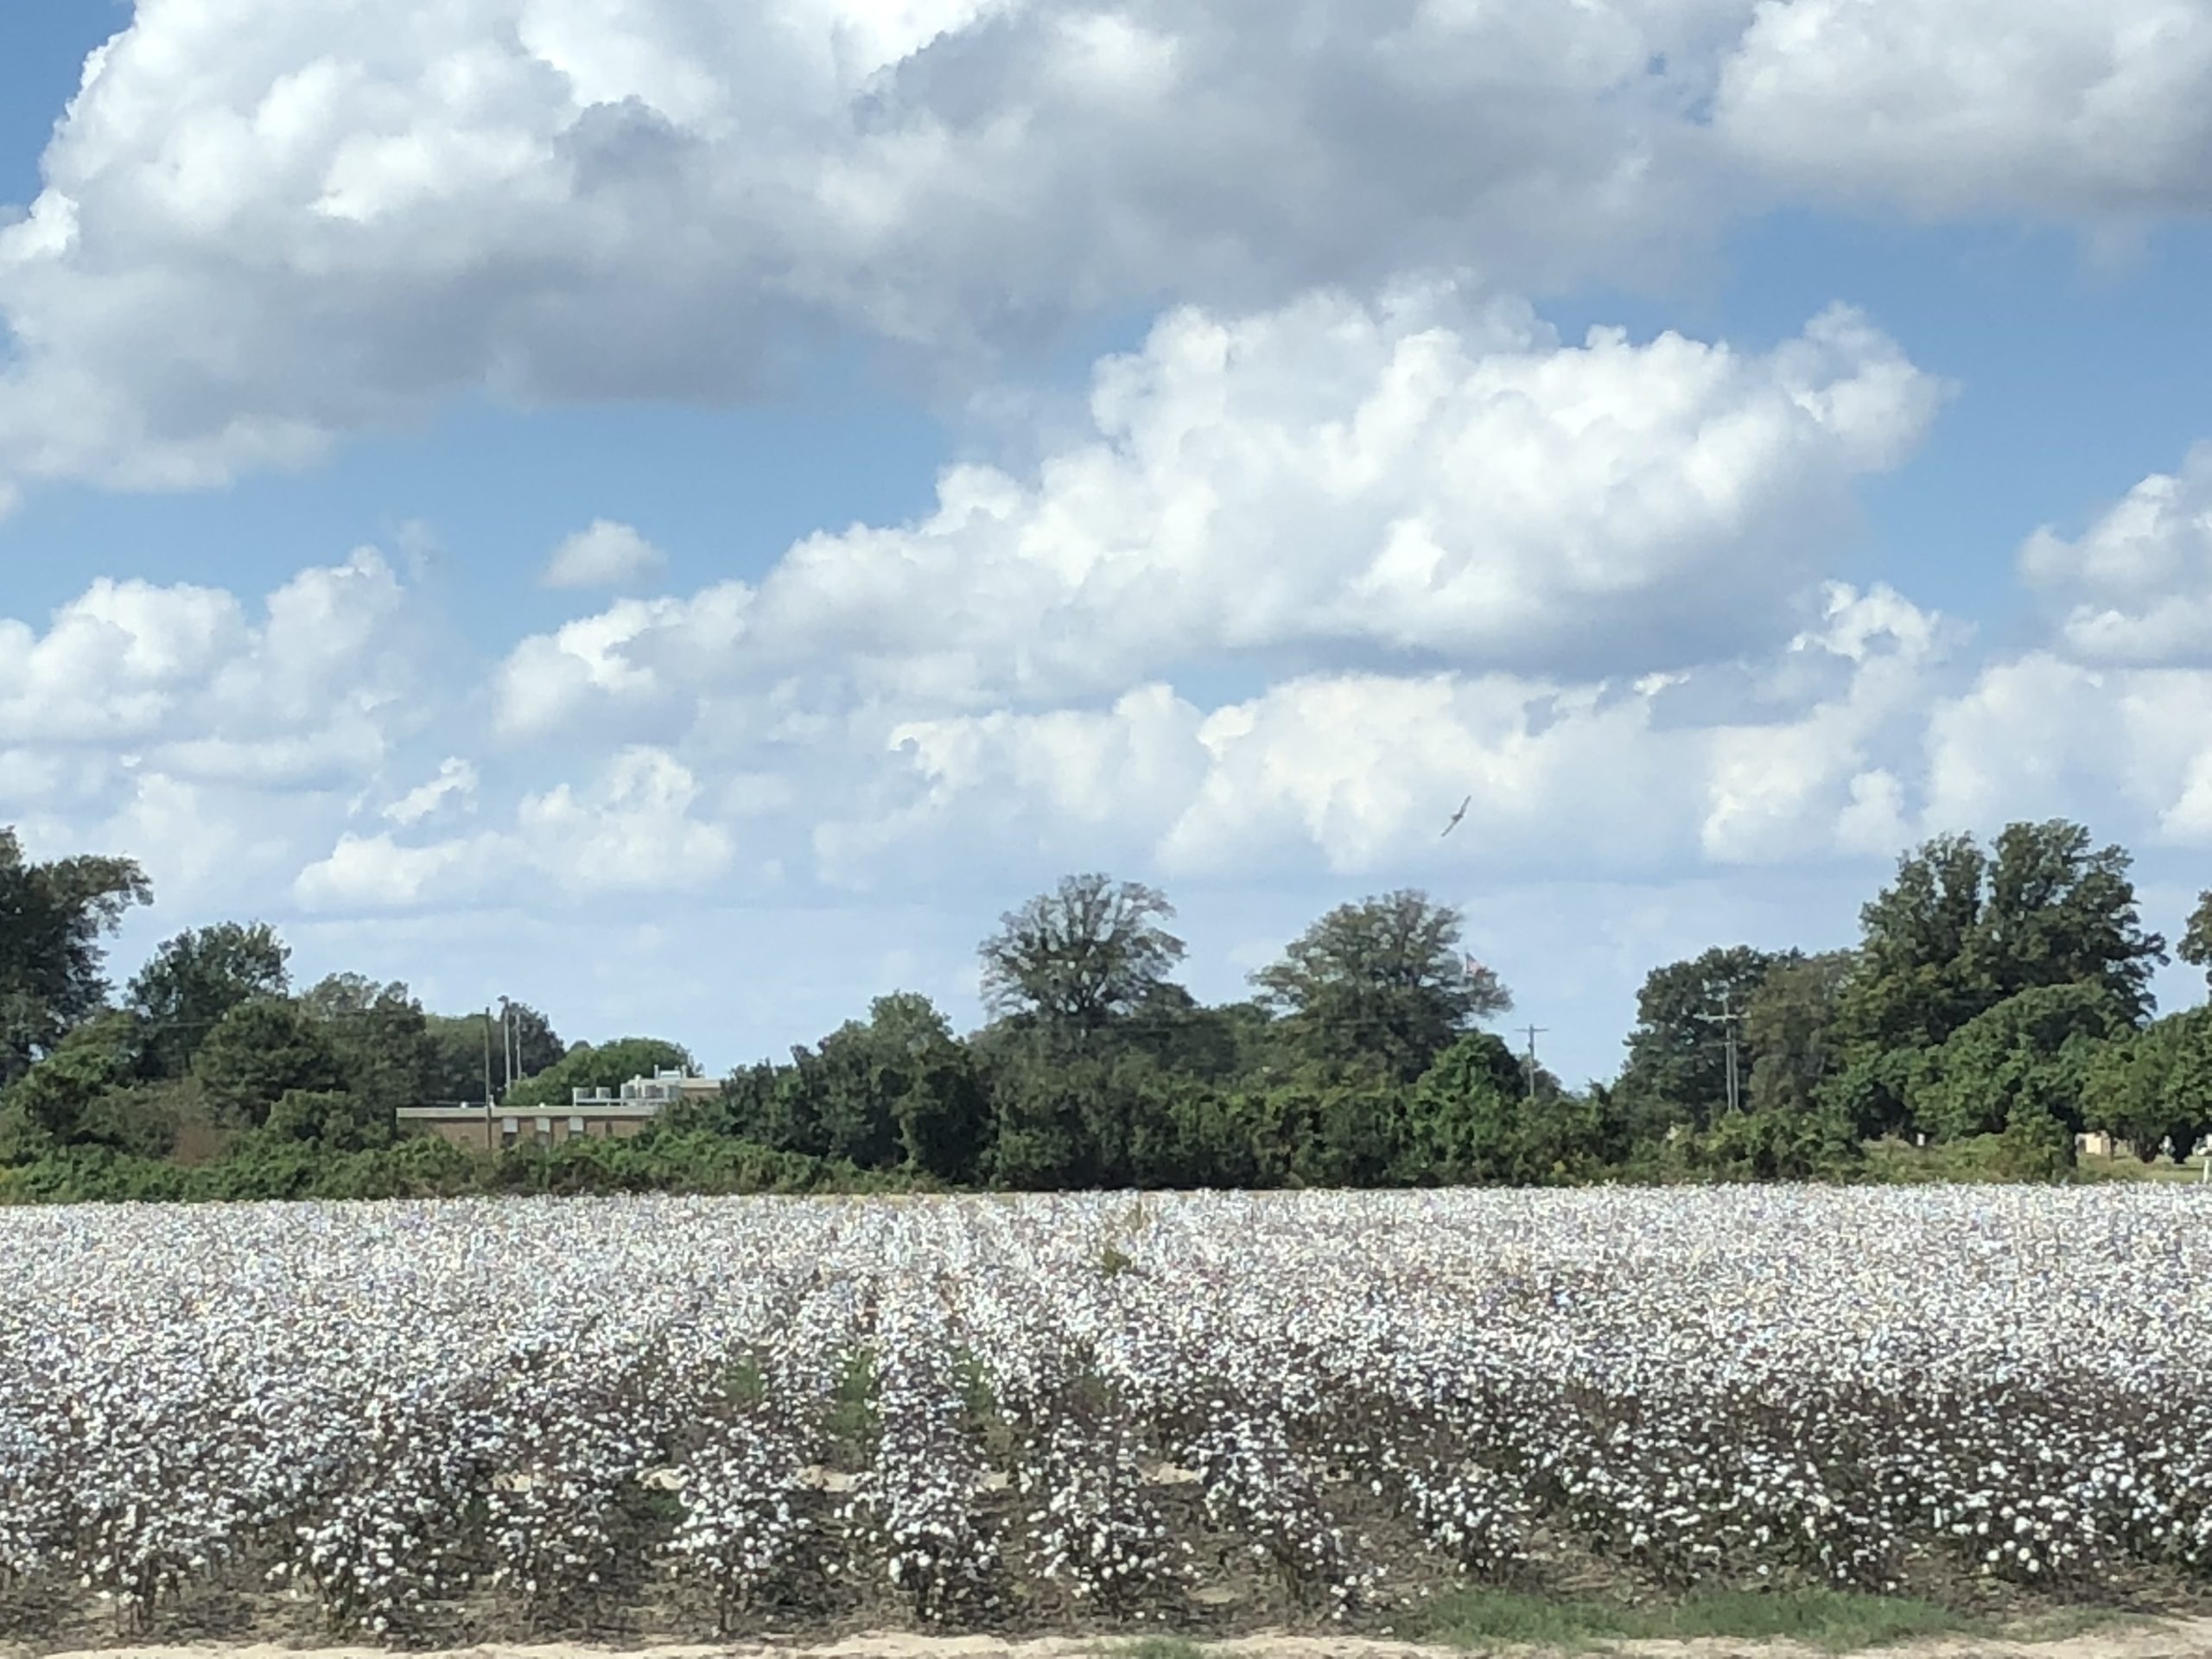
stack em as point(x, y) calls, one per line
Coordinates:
point(1131, 438)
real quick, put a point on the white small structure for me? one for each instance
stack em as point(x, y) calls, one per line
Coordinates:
point(666, 1086)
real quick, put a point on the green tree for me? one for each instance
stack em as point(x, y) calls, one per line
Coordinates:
point(54, 916)
point(259, 1051)
point(1182, 1035)
point(1960, 932)
point(57, 1102)
point(1315, 1130)
point(336, 1120)
point(2196, 939)
point(381, 1037)
point(1803, 1143)
point(740, 1111)
point(1378, 986)
point(1094, 1115)
point(2061, 911)
point(1076, 958)
point(461, 1047)
point(1873, 1087)
point(882, 1090)
point(2030, 1054)
point(1048, 1108)
point(1787, 1029)
point(464, 1046)
point(1471, 1119)
point(1190, 1132)
point(1676, 1070)
point(139, 1120)
point(775, 1106)
point(196, 978)
point(936, 1098)
point(537, 1046)
point(1918, 964)
point(2035, 1144)
point(2155, 1086)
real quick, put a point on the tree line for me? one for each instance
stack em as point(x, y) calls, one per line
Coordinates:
point(1997, 1003)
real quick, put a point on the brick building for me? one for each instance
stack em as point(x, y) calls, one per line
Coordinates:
point(591, 1113)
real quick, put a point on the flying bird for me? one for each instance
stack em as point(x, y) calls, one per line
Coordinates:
point(1456, 816)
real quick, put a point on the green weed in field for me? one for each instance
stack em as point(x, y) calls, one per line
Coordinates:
point(1154, 1647)
point(1835, 1621)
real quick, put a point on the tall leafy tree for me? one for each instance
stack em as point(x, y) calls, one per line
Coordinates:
point(1076, 958)
point(2155, 1086)
point(1380, 985)
point(1676, 1070)
point(54, 1103)
point(1181, 1034)
point(1319, 1131)
point(261, 1051)
point(928, 1082)
point(893, 1086)
point(1777, 1144)
point(1787, 1029)
point(1918, 979)
point(2027, 1056)
point(2062, 910)
point(54, 916)
point(142, 1120)
point(2197, 940)
point(536, 1045)
point(381, 1037)
point(1960, 932)
point(1054, 1118)
point(196, 978)
point(1471, 1119)
point(462, 1046)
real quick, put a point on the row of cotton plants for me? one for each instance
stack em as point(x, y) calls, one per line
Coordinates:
point(715, 1415)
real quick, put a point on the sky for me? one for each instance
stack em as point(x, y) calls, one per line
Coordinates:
point(682, 514)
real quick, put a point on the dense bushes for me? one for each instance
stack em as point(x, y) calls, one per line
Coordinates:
point(262, 1166)
point(1997, 1003)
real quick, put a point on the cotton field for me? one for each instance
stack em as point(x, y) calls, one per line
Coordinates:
point(702, 1416)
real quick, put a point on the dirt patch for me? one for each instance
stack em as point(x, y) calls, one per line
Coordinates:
point(2152, 1639)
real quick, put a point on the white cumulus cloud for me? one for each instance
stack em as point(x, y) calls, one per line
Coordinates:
point(632, 831)
point(1974, 106)
point(1787, 760)
point(260, 230)
point(2137, 587)
point(456, 783)
point(311, 691)
point(1426, 482)
point(604, 554)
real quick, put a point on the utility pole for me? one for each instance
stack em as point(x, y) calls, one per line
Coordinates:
point(507, 1049)
point(1727, 1019)
point(1532, 1032)
point(487, 1079)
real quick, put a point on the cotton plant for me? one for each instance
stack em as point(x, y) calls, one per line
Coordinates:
point(392, 1411)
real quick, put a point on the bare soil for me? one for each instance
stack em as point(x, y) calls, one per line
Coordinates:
point(2152, 1639)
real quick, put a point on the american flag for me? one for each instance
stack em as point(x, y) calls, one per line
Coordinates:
point(1470, 967)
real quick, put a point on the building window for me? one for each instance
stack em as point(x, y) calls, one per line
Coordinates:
point(575, 1127)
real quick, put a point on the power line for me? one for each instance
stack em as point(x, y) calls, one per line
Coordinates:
point(1727, 1019)
point(1532, 1032)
